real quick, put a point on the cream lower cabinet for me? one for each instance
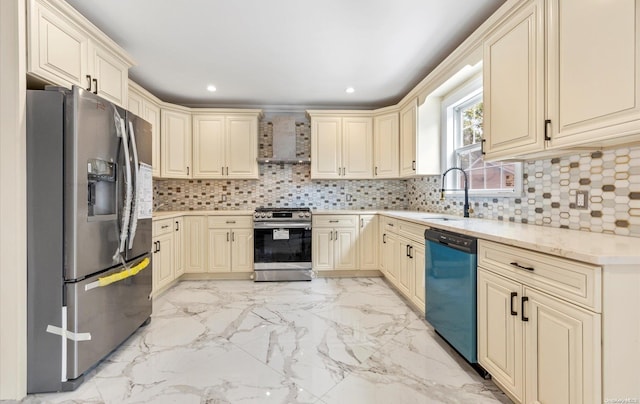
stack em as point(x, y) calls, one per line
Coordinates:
point(195, 244)
point(335, 242)
point(178, 247)
point(230, 244)
point(163, 252)
point(368, 242)
point(539, 346)
point(402, 258)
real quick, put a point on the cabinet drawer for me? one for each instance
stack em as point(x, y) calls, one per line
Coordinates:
point(335, 220)
point(570, 280)
point(230, 222)
point(164, 226)
point(388, 225)
point(411, 230)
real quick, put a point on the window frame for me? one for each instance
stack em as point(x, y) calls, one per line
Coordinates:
point(464, 95)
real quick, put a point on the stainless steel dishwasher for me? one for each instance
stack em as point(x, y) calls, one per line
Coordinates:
point(450, 277)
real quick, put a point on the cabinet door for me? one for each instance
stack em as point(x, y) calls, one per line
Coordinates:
point(219, 250)
point(386, 139)
point(346, 248)
point(562, 352)
point(151, 113)
point(500, 339)
point(391, 257)
point(242, 250)
point(408, 126)
point(405, 273)
point(368, 242)
point(513, 83)
point(357, 147)
point(111, 74)
point(57, 50)
point(178, 246)
point(594, 70)
point(209, 146)
point(322, 248)
point(326, 135)
point(417, 258)
point(135, 104)
point(242, 147)
point(195, 244)
point(176, 144)
point(163, 262)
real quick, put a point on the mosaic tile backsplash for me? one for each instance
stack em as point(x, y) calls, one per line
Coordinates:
point(611, 177)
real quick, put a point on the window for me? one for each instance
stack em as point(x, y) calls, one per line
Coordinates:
point(463, 132)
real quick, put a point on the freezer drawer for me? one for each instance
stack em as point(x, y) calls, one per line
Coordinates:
point(110, 314)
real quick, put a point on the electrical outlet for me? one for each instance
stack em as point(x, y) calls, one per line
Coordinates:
point(582, 199)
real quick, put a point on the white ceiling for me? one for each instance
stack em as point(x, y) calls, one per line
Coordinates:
point(300, 53)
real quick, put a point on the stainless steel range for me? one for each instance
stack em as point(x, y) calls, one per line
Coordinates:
point(282, 244)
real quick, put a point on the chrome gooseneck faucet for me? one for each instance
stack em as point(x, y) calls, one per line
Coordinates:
point(466, 189)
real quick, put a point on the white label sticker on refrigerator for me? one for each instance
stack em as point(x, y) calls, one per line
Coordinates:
point(281, 234)
point(145, 191)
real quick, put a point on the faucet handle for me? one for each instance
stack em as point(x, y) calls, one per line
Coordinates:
point(470, 210)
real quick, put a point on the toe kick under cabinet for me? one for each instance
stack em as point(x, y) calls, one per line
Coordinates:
point(554, 330)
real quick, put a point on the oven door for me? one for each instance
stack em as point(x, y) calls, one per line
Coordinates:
point(282, 246)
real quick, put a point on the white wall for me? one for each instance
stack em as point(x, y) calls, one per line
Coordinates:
point(13, 217)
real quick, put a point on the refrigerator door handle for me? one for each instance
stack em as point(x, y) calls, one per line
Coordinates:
point(124, 230)
point(136, 197)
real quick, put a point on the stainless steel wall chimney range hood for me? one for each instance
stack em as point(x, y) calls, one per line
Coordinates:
point(284, 142)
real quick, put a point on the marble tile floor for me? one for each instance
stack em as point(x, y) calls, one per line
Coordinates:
point(347, 340)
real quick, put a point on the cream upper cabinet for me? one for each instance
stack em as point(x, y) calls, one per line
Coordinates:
point(368, 242)
point(147, 107)
point(562, 75)
point(386, 140)
point(408, 135)
point(326, 156)
point(65, 49)
point(513, 93)
point(175, 134)
point(209, 146)
point(195, 244)
point(225, 146)
point(593, 78)
point(341, 146)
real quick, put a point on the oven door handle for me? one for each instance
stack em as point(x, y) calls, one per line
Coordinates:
point(281, 225)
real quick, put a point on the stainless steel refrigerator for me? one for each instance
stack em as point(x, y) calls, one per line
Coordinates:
point(89, 201)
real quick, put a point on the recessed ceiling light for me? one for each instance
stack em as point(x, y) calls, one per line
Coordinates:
point(350, 90)
point(211, 88)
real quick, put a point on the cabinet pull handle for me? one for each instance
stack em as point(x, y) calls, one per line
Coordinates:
point(187, 170)
point(331, 235)
point(233, 236)
point(547, 136)
point(88, 82)
point(376, 170)
point(165, 226)
point(524, 300)
point(177, 226)
point(413, 165)
point(230, 221)
point(513, 312)
point(361, 223)
point(334, 221)
point(411, 251)
point(407, 250)
point(336, 237)
point(515, 264)
point(222, 170)
point(227, 170)
point(159, 246)
point(482, 147)
point(390, 224)
point(227, 236)
point(95, 82)
point(384, 238)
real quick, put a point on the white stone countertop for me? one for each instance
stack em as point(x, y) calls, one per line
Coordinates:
point(593, 248)
point(177, 213)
